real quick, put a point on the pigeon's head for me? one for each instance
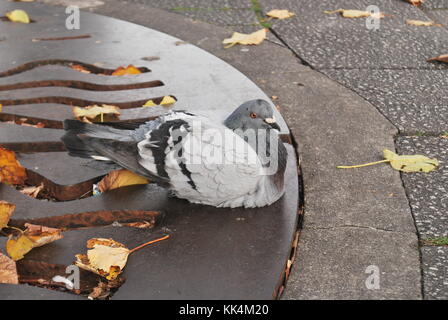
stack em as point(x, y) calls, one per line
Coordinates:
point(253, 114)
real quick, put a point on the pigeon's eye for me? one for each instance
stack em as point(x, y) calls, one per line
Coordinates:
point(253, 115)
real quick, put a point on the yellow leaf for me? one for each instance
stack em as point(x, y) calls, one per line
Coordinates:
point(122, 71)
point(18, 247)
point(422, 23)
point(1, 107)
point(8, 270)
point(18, 16)
point(167, 101)
point(149, 103)
point(246, 39)
point(120, 178)
point(107, 257)
point(413, 163)
point(91, 112)
point(34, 236)
point(11, 171)
point(348, 13)
point(6, 210)
point(280, 14)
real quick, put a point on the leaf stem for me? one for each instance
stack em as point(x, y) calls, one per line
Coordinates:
point(148, 243)
point(14, 228)
point(363, 165)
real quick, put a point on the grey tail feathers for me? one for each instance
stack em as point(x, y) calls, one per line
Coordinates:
point(106, 142)
point(78, 147)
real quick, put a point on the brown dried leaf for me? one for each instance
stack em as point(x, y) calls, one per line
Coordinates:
point(42, 235)
point(415, 2)
point(33, 191)
point(123, 71)
point(441, 58)
point(120, 178)
point(8, 270)
point(6, 210)
point(11, 171)
point(79, 68)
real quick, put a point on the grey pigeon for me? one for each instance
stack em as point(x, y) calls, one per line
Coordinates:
point(238, 163)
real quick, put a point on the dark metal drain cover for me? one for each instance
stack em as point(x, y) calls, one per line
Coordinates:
point(212, 253)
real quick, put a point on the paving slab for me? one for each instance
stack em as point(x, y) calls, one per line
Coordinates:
point(428, 192)
point(435, 272)
point(333, 263)
point(413, 100)
point(331, 41)
point(435, 4)
point(440, 15)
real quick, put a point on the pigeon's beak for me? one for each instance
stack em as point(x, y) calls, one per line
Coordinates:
point(272, 123)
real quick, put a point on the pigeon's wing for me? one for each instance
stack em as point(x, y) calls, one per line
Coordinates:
point(204, 162)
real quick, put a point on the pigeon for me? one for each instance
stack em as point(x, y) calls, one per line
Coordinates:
point(238, 163)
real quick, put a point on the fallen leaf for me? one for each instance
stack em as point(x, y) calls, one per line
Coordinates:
point(122, 71)
point(120, 178)
point(91, 112)
point(149, 103)
point(11, 172)
point(6, 210)
point(422, 23)
point(102, 291)
point(34, 236)
point(138, 224)
point(1, 107)
point(8, 270)
point(167, 101)
point(107, 257)
point(280, 14)
point(413, 163)
point(18, 247)
point(18, 16)
point(348, 13)
point(405, 163)
point(33, 191)
point(415, 2)
point(254, 38)
point(441, 58)
point(79, 68)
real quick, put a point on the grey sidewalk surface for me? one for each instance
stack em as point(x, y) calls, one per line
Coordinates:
point(347, 93)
